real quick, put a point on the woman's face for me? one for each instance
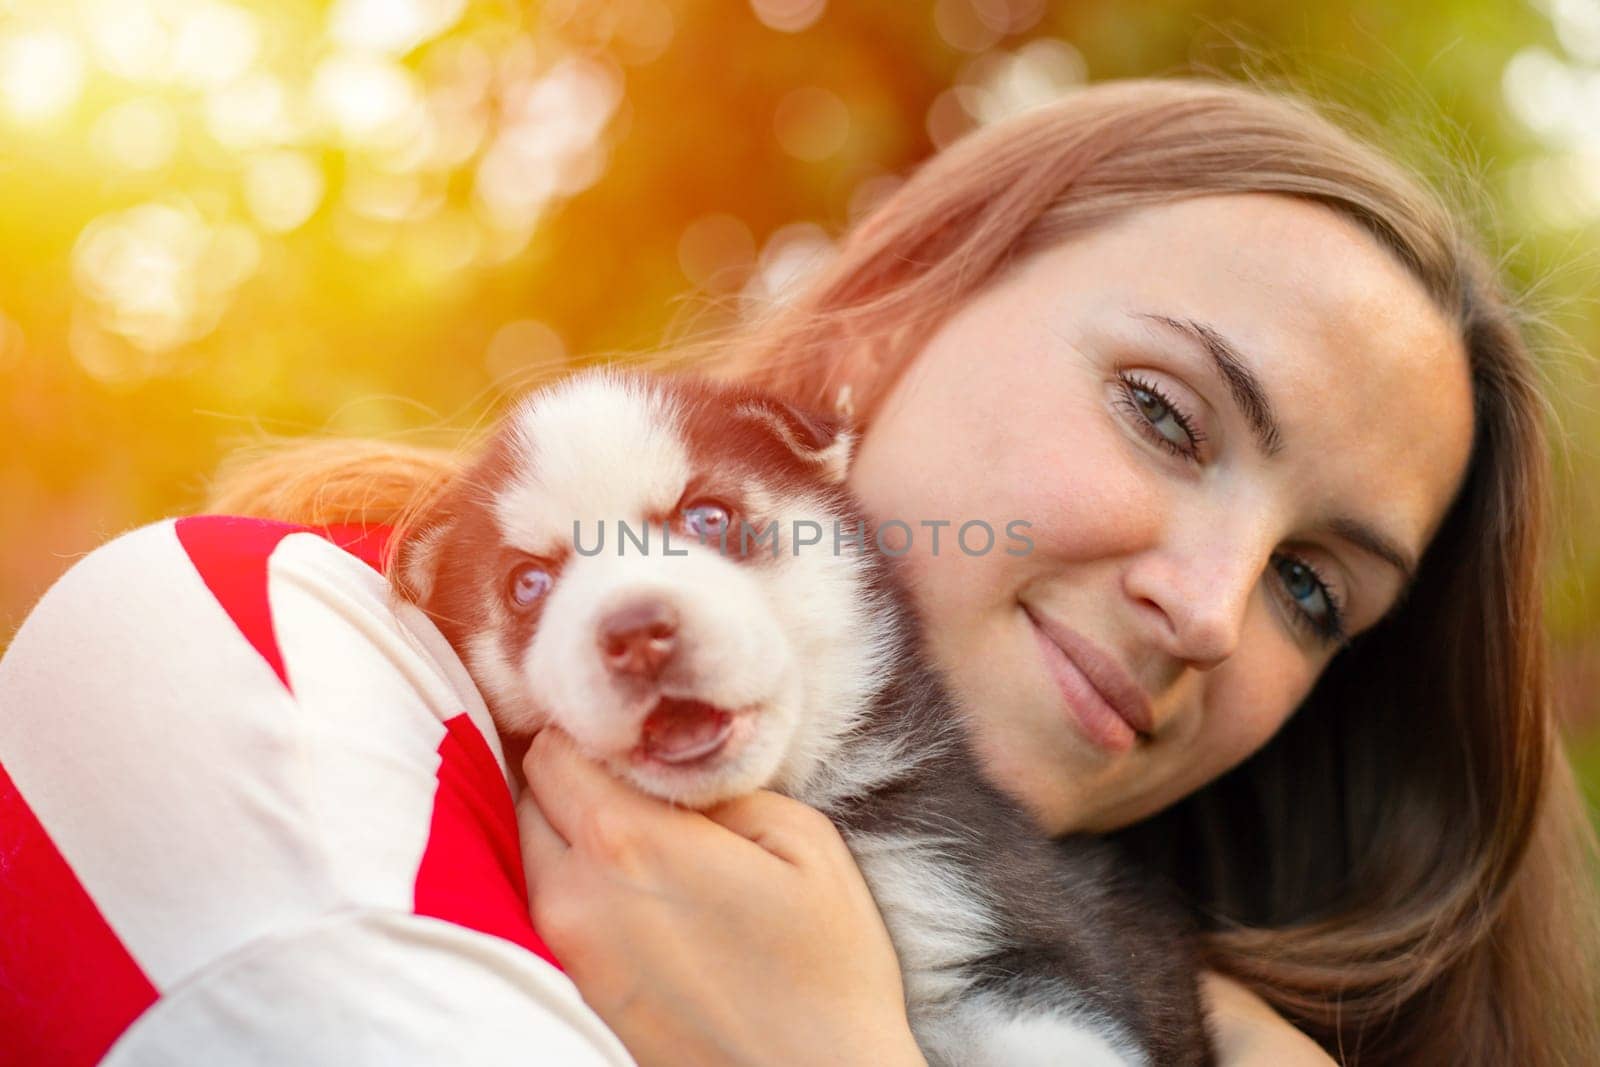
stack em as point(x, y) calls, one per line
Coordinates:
point(1233, 423)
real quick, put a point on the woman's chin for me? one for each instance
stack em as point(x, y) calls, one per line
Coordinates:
point(1039, 772)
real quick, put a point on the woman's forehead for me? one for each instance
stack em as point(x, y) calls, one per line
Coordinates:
point(1284, 260)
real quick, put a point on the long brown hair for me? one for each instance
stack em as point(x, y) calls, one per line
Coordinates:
point(1404, 870)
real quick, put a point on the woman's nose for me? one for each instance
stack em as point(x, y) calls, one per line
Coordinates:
point(1196, 594)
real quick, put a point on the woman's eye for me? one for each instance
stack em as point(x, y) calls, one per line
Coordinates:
point(707, 520)
point(1164, 421)
point(1314, 602)
point(527, 584)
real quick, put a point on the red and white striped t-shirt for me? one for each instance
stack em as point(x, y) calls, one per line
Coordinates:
point(250, 812)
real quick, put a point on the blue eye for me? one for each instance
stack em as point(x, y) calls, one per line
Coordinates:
point(1315, 606)
point(708, 521)
point(527, 584)
point(1161, 420)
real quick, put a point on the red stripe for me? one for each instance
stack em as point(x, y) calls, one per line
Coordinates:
point(68, 987)
point(471, 870)
point(367, 543)
point(231, 554)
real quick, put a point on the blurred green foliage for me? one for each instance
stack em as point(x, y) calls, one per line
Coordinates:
point(364, 217)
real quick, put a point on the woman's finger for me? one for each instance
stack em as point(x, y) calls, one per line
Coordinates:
point(785, 827)
point(581, 801)
point(585, 805)
point(542, 847)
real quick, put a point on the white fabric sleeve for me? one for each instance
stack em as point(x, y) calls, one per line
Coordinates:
point(283, 802)
point(374, 988)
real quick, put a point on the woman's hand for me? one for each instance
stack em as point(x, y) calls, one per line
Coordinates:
point(744, 935)
point(1249, 1033)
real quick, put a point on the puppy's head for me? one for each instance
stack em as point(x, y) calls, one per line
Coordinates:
point(628, 560)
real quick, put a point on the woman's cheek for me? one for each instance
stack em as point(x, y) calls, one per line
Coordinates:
point(1094, 499)
point(1266, 688)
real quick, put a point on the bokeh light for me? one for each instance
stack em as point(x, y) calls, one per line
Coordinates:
point(811, 123)
point(1577, 26)
point(791, 254)
point(41, 74)
point(161, 273)
point(548, 143)
point(1009, 82)
point(369, 100)
point(522, 349)
point(252, 112)
point(282, 189)
point(717, 252)
point(391, 26)
point(789, 16)
point(213, 44)
point(137, 135)
point(962, 25)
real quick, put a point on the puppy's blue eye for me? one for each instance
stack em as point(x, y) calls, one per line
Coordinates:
point(707, 520)
point(527, 584)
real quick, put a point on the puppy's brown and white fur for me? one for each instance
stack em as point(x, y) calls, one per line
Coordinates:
point(700, 668)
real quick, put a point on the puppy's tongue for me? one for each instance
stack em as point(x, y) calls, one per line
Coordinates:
point(678, 731)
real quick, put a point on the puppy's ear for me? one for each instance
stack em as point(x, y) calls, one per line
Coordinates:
point(812, 436)
point(415, 554)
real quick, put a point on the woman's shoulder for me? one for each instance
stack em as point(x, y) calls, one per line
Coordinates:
point(223, 650)
point(213, 730)
point(233, 588)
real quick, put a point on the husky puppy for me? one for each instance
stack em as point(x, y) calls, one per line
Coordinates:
point(672, 571)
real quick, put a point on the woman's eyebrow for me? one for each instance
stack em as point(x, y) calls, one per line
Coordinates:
point(1234, 369)
point(1247, 392)
point(1370, 540)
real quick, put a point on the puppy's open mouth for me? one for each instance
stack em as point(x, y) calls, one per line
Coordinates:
point(683, 731)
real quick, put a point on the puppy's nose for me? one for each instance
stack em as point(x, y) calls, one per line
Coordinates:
point(639, 638)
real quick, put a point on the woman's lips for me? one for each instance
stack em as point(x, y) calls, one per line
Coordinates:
point(1105, 724)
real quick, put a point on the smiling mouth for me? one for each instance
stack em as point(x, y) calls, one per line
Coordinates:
point(1097, 718)
point(679, 731)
